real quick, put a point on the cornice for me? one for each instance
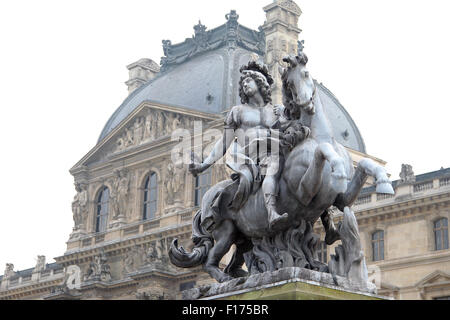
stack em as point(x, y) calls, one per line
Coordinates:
point(28, 289)
point(396, 209)
point(408, 262)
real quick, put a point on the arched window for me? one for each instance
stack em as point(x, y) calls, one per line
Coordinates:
point(202, 184)
point(150, 196)
point(102, 210)
point(441, 234)
point(322, 252)
point(378, 245)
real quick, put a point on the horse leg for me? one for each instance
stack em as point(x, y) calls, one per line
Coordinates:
point(366, 167)
point(234, 268)
point(312, 179)
point(225, 236)
point(331, 233)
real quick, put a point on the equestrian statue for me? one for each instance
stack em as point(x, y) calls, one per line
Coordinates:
point(288, 171)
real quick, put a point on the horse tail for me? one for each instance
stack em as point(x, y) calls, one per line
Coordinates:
point(203, 242)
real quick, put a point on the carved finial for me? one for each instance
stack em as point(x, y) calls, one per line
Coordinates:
point(232, 16)
point(199, 28)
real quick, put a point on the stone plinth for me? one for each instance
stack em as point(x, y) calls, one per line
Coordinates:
point(285, 284)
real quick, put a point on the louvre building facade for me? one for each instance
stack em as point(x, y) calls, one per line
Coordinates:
point(132, 200)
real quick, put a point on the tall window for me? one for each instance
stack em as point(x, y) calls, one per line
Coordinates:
point(378, 245)
point(202, 184)
point(150, 196)
point(102, 210)
point(441, 234)
point(322, 252)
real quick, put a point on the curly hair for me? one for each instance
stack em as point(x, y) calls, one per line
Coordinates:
point(261, 82)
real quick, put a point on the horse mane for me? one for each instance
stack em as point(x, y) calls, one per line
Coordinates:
point(292, 111)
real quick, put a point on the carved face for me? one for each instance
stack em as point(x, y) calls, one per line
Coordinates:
point(250, 87)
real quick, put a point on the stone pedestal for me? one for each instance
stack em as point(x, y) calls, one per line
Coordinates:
point(285, 284)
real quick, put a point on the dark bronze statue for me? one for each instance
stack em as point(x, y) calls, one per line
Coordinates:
point(274, 197)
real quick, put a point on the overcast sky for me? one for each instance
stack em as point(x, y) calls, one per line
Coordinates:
point(63, 68)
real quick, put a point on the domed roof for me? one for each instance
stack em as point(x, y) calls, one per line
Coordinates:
point(202, 74)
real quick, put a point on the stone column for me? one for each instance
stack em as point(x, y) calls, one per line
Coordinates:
point(281, 30)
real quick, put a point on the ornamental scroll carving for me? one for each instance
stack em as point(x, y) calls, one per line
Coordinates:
point(290, 5)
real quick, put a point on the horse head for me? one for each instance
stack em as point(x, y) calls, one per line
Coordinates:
point(298, 88)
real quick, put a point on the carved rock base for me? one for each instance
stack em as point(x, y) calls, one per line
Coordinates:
point(293, 248)
point(284, 284)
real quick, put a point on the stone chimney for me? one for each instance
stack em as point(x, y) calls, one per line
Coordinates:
point(140, 72)
point(281, 31)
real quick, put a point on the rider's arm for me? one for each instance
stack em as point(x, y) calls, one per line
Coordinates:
point(220, 148)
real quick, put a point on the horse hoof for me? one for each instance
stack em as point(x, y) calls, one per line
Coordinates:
point(224, 278)
point(238, 273)
point(331, 237)
point(385, 187)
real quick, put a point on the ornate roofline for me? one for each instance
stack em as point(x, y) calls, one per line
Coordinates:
point(231, 34)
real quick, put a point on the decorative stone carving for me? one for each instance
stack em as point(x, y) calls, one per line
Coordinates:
point(138, 130)
point(156, 256)
point(130, 262)
point(119, 195)
point(149, 295)
point(98, 269)
point(204, 40)
point(154, 125)
point(407, 174)
point(175, 181)
point(79, 206)
point(290, 5)
point(40, 264)
point(9, 271)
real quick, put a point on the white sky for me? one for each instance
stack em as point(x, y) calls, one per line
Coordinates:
point(63, 68)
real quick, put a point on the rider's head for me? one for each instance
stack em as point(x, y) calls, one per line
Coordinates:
point(261, 77)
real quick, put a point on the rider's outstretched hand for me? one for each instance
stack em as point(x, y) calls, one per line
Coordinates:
point(196, 168)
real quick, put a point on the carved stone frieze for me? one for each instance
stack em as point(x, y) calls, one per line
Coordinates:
point(156, 256)
point(155, 124)
point(132, 259)
point(99, 269)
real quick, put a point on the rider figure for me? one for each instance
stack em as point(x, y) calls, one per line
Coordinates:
point(248, 126)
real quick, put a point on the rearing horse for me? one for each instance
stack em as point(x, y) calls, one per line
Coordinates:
point(318, 173)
